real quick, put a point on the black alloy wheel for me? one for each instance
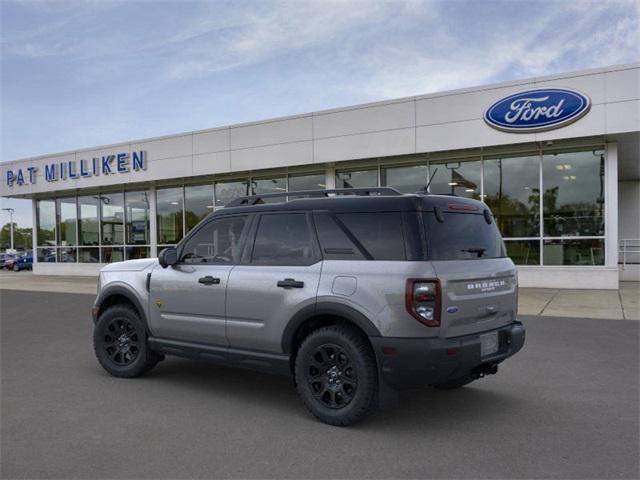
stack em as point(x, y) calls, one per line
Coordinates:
point(332, 376)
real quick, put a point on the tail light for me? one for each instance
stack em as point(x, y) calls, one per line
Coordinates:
point(422, 299)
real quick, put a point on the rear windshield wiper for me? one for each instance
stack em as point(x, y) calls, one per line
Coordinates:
point(479, 250)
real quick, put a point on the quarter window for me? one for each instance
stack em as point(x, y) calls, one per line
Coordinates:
point(283, 239)
point(216, 242)
point(379, 233)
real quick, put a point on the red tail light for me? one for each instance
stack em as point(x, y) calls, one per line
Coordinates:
point(422, 300)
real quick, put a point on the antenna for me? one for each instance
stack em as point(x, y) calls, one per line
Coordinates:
point(425, 189)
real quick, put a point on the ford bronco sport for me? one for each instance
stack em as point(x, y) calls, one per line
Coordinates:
point(354, 293)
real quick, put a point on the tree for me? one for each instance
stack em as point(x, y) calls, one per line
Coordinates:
point(21, 237)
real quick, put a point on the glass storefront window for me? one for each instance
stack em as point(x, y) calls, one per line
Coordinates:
point(67, 255)
point(112, 219)
point(169, 207)
point(573, 198)
point(523, 252)
point(357, 179)
point(133, 253)
point(46, 218)
point(137, 217)
point(574, 251)
point(299, 183)
point(89, 255)
point(198, 203)
point(456, 178)
point(67, 223)
point(405, 179)
point(228, 191)
point(512, 191)
point(269, 185)
point(112, 254)
point(88, 220)
point(47, 255)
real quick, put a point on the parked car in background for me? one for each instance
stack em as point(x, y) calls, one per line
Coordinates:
point(23, 262)
point(7, 260)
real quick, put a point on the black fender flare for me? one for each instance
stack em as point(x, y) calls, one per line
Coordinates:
point(112, 290)
point(326, 308)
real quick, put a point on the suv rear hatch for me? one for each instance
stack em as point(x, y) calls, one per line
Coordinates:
point(477, 280)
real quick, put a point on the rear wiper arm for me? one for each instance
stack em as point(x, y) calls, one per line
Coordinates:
point(479, 250)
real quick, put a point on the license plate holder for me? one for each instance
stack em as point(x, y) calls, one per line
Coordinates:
point(489, 344)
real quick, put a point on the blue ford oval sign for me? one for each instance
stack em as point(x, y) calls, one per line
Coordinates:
point(537, 110)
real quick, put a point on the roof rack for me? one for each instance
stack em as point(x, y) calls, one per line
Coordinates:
point(365, 192)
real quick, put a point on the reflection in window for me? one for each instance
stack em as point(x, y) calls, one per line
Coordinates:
point(198, 203)
point(88, 220)
point(216, 242)
point(133, 253)
point(574, 252)
point(67, 255)
point(573, 198)
point(67, 212)
point(112, 254)
point(307, 182)
point(524, 252)
point(405, 179)
point(512, 191)
point(228, 191)
point(269, 185)
point(46, 218)
point(169, 206)
point(112, 218)
point(89, 255)
point(283, 239)
point(137, 217)
point(47, 255)
point(456, 178)
point(357, 179)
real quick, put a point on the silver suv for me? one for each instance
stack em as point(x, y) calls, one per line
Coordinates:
point(353, 293)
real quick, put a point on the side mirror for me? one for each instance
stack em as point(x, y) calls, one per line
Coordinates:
point(168, 256)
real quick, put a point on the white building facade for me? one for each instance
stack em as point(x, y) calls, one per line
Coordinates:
point(556, 158)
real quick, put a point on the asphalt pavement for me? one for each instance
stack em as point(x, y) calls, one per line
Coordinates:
point(565, 407)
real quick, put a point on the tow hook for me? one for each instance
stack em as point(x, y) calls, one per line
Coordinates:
point(484, 370)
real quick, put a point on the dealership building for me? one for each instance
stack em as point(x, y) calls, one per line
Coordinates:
point(556, 158)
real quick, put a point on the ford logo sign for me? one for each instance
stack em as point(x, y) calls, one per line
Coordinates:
point(537, 110)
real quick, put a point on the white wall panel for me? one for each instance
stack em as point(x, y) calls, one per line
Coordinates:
point(361, 120)
point(379, 144)
point(209, 163)
point(623, 85)
point(212, 141)
point(623, 117)
point(271, 133)
point(166, 147)
point(592, 85)
point(593, 123)
point(286, 154)
point(165, 169)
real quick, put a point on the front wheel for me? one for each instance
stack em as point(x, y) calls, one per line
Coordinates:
point(336, 375)
point(16, 268)
point(120, 343)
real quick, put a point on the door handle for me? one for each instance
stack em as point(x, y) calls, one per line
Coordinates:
point(209, 280)
point(290, 283)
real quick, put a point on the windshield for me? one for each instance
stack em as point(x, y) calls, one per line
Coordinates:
point(462, 236)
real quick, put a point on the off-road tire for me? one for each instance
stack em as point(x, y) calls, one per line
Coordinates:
point(453, 384)
point(123, 357)
point(347, 394)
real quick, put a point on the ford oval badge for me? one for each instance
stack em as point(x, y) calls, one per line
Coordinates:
point(453, 309)
point(537, 110)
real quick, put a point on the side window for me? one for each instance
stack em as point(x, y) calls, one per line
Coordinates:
point(216, 242)
point(381, 234)
point(283, 239)
point(334, 242)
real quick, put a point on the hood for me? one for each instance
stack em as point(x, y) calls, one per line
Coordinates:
point(130, 265)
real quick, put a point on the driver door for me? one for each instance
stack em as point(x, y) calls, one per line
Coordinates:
point(187, 300)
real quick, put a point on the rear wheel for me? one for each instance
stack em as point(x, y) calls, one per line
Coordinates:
point(16, 268)
point(336, 375)
point(120, 343)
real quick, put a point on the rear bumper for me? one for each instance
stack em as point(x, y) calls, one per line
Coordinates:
point(418, 362)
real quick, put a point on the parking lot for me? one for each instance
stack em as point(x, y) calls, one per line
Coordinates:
point(566, 407)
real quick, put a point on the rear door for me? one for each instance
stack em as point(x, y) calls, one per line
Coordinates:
point(478, 282)
point(187, 300)
point(278, 277)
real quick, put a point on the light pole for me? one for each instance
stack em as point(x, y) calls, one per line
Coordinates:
point(11, 212)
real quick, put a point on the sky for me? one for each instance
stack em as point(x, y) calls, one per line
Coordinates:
point(86, 73)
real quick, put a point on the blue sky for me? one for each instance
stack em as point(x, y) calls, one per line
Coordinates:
point(80, 74)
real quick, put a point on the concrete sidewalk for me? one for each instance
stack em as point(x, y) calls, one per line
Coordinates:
point(620, 304)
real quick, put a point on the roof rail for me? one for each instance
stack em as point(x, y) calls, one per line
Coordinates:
point(258, 199)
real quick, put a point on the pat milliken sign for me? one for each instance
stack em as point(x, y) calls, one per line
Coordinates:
point(537, 110)
point(117, 163)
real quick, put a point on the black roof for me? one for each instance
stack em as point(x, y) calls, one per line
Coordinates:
point(387, 201)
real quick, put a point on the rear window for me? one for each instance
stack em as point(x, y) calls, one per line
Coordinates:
point(462, 236)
